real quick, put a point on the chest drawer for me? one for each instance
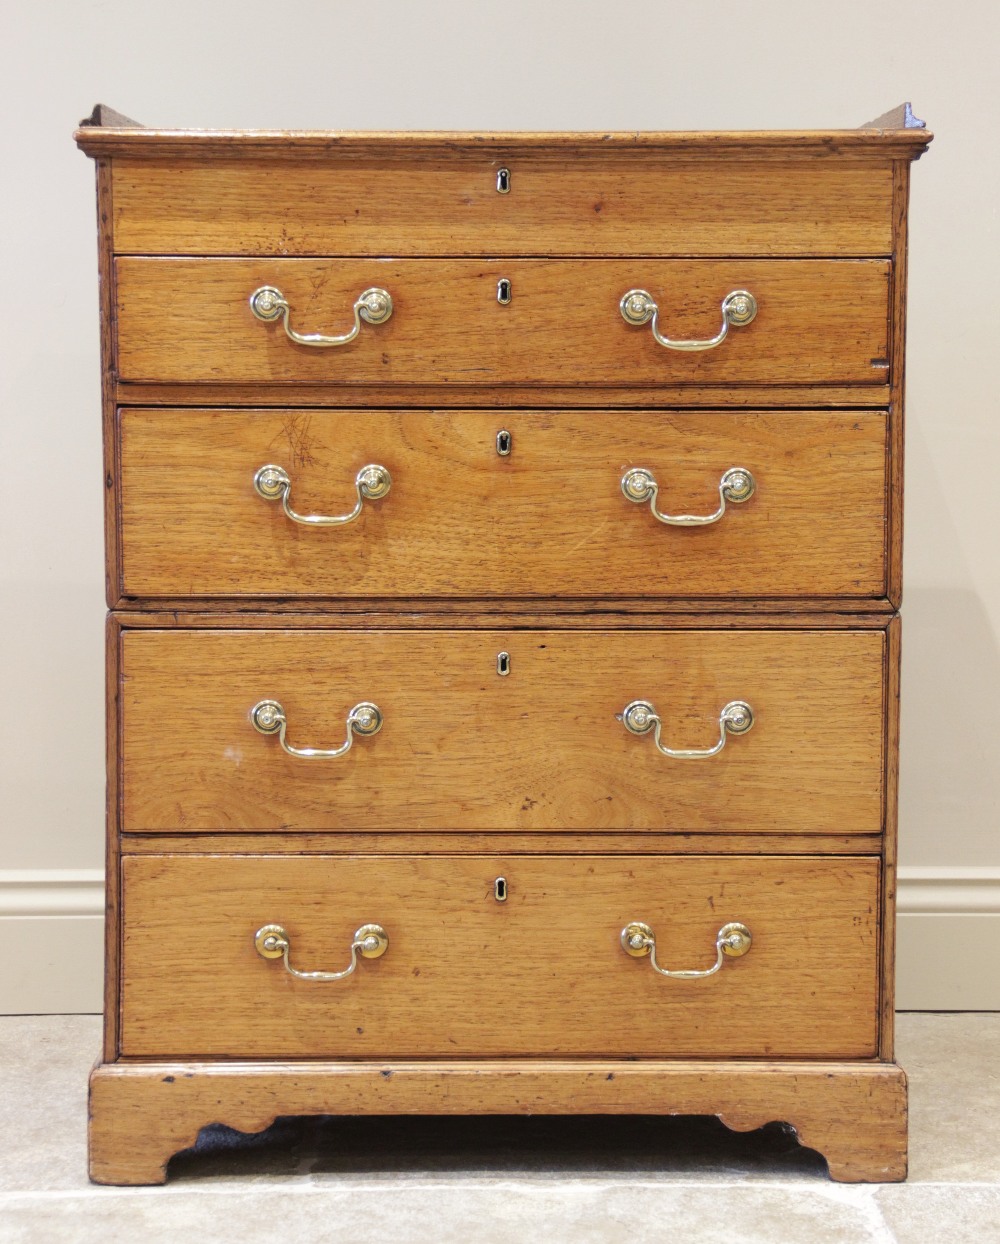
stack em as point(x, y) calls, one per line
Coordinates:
point(545, 747)
point(550, 517)
point(544, 972)
point(434, 204)
point(190, 320)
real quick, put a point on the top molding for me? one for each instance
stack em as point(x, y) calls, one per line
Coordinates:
point(896, 135)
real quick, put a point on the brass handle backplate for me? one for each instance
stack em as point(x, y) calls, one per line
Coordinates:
point(268, 717)
point(273, 483)
point(374, 306)
point(736, 486)
point(639, 307)
point(640, 717)
point(271, 941)
point(732, 942)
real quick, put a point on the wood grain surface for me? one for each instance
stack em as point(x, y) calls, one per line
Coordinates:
point(820, 321)
point(112, 837)
point(542, 973)
point(831, 146)
point(462, 748)
point(418, 613)
point(112, 575)
point(461, 520)
point(897, 371)
point(533, 842)
point(607, 204)
point(853, 1113)
point(620, 396)
point(890, 849)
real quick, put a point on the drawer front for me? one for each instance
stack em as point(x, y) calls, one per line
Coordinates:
point(462, 748)
point(549, 518)
point(575, 205)
point(189, 320)
point(543, 973)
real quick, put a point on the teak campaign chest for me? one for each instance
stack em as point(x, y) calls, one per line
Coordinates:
point(503, 557)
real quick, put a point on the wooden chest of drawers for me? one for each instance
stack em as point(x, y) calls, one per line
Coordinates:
point(503, 557)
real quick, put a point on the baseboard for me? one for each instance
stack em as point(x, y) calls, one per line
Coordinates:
point(52, 929)
point(948, 921)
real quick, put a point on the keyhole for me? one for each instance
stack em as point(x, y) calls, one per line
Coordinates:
point(503, 664)
point(504, 442)
point(500, 889)
point(503, 292)
point(503, 181)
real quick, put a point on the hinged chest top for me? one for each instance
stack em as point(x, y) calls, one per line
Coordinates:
point(504, 556)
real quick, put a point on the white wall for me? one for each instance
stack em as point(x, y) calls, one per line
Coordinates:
point(497, 64)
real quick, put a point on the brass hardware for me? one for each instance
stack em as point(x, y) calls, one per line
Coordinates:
point(503, 181)
point(505, 443)
point(738, 308)
point(503, 664)
point(374, 306)
point(500, 889)
point(503, 291)
point(640, 717)
point(272, 942)
point(732, 942)
point(364, 719)
point(736, 485)
point(273, 483)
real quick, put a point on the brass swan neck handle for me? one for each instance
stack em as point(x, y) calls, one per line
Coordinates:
point(640, 717)
point(364, 719)
point(638, 307)
point(373, 306)
point(732, 941)
point(272, 941)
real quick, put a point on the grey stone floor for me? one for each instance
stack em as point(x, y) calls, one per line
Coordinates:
point(547, 1181)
